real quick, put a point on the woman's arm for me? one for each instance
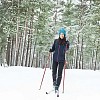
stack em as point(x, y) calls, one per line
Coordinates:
point(53, 47)
point(67, 45)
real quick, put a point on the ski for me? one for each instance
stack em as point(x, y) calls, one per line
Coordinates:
point(57, 93)
point(50, 91)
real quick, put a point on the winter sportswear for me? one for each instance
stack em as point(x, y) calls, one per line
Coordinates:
point(59, 50)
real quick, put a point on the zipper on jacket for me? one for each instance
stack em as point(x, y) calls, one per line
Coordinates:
point(58, 53)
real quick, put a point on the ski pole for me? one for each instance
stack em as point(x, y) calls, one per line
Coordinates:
point(64, 75)
point(44, 71)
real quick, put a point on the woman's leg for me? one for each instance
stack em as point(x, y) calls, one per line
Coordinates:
point(60, 70)
point(54, 72)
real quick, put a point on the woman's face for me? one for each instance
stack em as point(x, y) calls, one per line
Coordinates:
point(61, 35)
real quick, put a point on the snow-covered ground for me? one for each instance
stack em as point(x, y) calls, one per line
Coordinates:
point(23, 83)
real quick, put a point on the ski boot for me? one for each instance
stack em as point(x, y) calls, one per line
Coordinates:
point(57, 90)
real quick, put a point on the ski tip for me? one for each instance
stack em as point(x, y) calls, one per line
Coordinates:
point(57, 95)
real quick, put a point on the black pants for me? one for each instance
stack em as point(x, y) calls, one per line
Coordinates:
point(57, 69)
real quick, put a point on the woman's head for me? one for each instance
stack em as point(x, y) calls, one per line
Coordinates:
point(62, 36)
point(62, 33)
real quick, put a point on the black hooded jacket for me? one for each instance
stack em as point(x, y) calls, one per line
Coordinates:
point(59, 50)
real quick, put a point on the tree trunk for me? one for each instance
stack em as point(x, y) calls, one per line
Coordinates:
point(96, 54)
point(24, 43)
point(18, 51)
point(27, 51)
point(17, 42)
point(77, 50)
point(82, 53)
point(8, 51)
point(30, 51)
point(12, 51)
point(34, 51)
point(21, 48)
point(92, 59)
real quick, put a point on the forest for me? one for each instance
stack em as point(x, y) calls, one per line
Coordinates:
point(28, 29)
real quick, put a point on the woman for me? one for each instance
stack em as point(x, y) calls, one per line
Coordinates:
point(59, 48)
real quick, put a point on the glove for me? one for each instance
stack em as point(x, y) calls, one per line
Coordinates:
point(50, 50)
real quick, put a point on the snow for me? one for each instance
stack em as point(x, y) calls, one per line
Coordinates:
point(23, 83)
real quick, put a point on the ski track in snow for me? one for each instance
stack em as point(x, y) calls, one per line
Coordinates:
point(23, 83)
